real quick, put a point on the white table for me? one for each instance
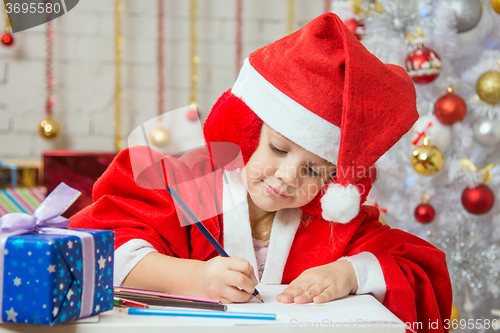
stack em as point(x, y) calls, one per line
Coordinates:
point(361, 313)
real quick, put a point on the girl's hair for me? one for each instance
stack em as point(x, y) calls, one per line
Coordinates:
point(261, 227)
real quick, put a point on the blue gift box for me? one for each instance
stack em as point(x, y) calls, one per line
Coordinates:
point(50, 274)
point(43, 277)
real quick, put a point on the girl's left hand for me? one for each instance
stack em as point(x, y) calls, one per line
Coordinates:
point(321, 284)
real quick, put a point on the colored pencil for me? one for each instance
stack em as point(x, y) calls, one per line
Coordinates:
point(196, 221)
point(177, 303)
point(170, 299)
point(206, 314)
point(163, 294)
point(118, 301)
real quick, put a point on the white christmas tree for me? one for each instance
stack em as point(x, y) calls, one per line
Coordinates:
point(451, 49)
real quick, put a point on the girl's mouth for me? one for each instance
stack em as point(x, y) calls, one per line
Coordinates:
point(275, 194)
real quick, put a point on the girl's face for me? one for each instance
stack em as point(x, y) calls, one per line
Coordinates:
point(281, 174)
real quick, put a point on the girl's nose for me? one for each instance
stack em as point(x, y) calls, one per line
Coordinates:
point(288, 174)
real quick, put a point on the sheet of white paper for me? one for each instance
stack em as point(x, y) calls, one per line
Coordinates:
point(352, 309)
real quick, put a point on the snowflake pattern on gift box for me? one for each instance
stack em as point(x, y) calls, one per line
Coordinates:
point(43, 277)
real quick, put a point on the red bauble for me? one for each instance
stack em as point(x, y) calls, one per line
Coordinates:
point(478, 200)
point(356, 27)
point(450, 108)
point(193, 115)
point(423, 65)
point(7, 39)
point(424, 213)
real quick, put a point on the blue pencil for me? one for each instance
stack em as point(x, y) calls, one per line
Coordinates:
point(207, 314)
point(196, 221)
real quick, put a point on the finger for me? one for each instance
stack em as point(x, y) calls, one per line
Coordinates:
point(308, 295)
point(292, 291)
point(329, 294)
point(238, 296)
point(239, 280)
point(243, 266)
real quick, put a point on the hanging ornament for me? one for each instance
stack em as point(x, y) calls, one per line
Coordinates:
point(356, 27)
point(488, 87)
point(119, 39)
point(467, 13)
point(427, 159)
point(455, 314)
point(424, 213)
point(7, 37)
point(478, 200)
point(496, 5)
point(160, 136)
point(422, 64)
point(450, 108)
point(193, 113)
point(487, 132)
point(393, 18)
point(437, 133)
point(195, 60)
point(49, 128)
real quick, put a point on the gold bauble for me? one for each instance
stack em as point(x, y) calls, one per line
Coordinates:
point(496, 5)
point(49, 129)
point(427, 159)
point(381, 219)
point(160, 136)
point(488, 87)
point(455, 314)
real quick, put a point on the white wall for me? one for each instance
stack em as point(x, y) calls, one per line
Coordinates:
point(84, 67)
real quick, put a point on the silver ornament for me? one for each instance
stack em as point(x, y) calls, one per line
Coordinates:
point(468, 13)
point(487, 132)
point(396, 17)
point(473, 262)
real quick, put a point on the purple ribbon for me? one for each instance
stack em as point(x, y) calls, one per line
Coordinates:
point(47, 219)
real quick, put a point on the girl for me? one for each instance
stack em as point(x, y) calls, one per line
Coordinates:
point(311, 113)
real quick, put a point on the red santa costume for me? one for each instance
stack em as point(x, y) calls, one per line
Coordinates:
point(320, 88)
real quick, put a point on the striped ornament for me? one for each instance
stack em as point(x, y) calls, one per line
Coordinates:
point(21, 199)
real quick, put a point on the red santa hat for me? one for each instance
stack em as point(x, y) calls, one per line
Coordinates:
point(320, 88)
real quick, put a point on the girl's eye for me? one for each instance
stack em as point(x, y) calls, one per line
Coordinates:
point(312, 172)
point(276, 149)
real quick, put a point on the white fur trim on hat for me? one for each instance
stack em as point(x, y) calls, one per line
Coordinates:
point(286, 116)
point(340, 203)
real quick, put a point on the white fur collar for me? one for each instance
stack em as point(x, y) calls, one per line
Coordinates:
point(238, 235)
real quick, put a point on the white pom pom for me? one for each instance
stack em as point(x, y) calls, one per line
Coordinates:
point(340, 204)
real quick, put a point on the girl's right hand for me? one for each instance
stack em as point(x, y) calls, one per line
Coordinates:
point(219, 277)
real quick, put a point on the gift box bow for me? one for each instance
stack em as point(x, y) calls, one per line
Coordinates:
point(47, 219)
